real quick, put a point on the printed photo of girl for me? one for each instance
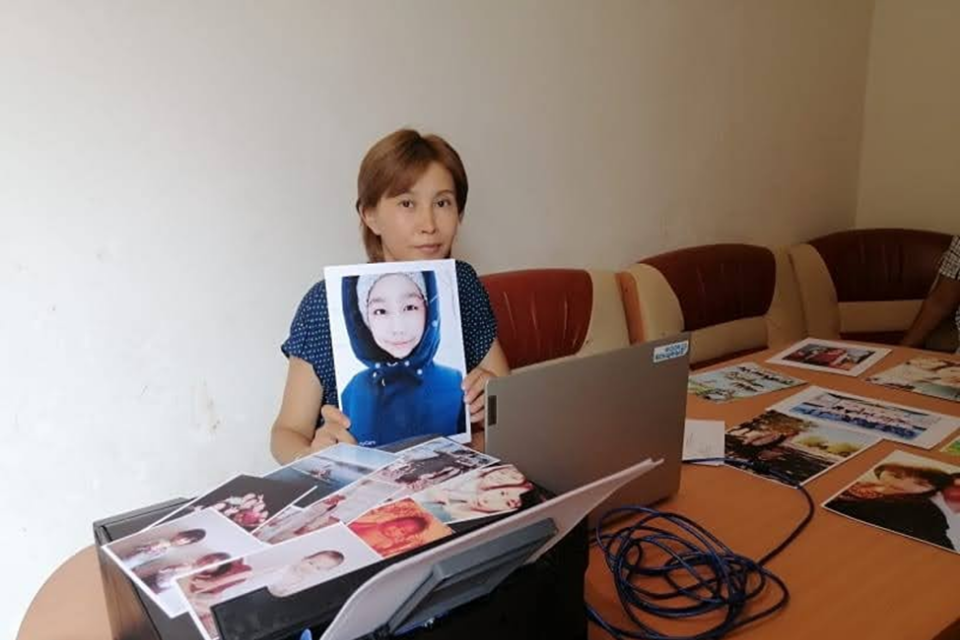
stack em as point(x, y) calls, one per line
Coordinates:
point(399, 383)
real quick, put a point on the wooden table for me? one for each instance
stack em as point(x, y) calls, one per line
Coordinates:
point(846, 580)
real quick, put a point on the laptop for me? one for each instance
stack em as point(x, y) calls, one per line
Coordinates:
point(568, 423)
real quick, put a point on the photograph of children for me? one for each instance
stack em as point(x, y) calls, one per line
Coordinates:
point(154, 557)
point(798, 449)
point(911, 495)
point(478, 494)
point(936, 377)
point(248, 501)
point(283, 570)
point(400, 526)
point(432, 463)
point(398, 350)
point(844, 358)
point(343, 506)
point(889, 421)
point(739, 381)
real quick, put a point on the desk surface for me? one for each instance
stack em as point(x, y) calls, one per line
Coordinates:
point(847, 580)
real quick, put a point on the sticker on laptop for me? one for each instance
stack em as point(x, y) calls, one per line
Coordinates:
point(671, 351)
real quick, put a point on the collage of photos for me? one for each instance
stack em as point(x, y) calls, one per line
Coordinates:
point(934, 377)
point(330, 470)
point(910, 495)
point(739, 381)
point(431, 463)
point(248, 501)
point(795, 448)
point(479, 494)
point(283, 570)
point(255, 532)
point(398, 350)
point(828, 356)
point(155, 557)
point(889, 421)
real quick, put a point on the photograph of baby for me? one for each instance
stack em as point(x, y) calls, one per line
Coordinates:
point(911, 495)
point(889, 421)
point(935, 377)
point(432, 463)
point(248, 501)
point(343, 506)
point(397, 527)
point(739, 381)
point(798, 449)
point(478, 494)
point(155, 557)
point(283, 570)
point(398, 350)
point(828, 356)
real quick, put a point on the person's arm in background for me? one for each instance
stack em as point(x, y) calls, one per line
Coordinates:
point(943, 298)
point(294, 433)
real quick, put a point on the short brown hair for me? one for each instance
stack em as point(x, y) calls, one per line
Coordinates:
point(393, 165)
point(936, 478)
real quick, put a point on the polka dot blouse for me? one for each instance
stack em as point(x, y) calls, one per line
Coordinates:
point(310, 330)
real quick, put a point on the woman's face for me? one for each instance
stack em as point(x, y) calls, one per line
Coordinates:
point(397, 314)
point(495, 500)
point(421, 223)
point(904, 483)
point(400, 529)
point(501, 477)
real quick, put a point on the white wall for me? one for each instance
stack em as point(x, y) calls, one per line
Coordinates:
point(174, 175)
point(910, 168)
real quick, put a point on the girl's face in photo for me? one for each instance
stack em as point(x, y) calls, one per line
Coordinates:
point(397, 314)
point(904, 483)
point(496, 500)
point(421, 223)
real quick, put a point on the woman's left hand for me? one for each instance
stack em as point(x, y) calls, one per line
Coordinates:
point(473, 390)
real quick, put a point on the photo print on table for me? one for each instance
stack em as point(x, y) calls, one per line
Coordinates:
point(937, 377)
point(889, 421)
point(844, 358)
point(914, 496)
point(739, 381)
point(798, 449)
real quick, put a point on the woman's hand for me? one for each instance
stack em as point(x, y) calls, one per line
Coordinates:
point(473, 391)
point(335, 429)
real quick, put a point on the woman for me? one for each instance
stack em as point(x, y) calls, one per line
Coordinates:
point(412, 191)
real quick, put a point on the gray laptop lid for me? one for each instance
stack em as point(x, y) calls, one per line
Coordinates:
point(571, 422)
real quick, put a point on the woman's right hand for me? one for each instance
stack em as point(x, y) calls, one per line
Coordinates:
point(335, 429)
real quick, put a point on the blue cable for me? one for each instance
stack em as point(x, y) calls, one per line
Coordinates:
point(699, 569)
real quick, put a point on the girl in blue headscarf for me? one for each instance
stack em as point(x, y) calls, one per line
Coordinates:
point(393, 321)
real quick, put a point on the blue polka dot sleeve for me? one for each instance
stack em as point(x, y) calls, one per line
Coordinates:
point(310, 339)
point(476, 315)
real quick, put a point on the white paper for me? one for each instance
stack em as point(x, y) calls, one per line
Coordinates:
point(378, 599)
point(703, 439)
